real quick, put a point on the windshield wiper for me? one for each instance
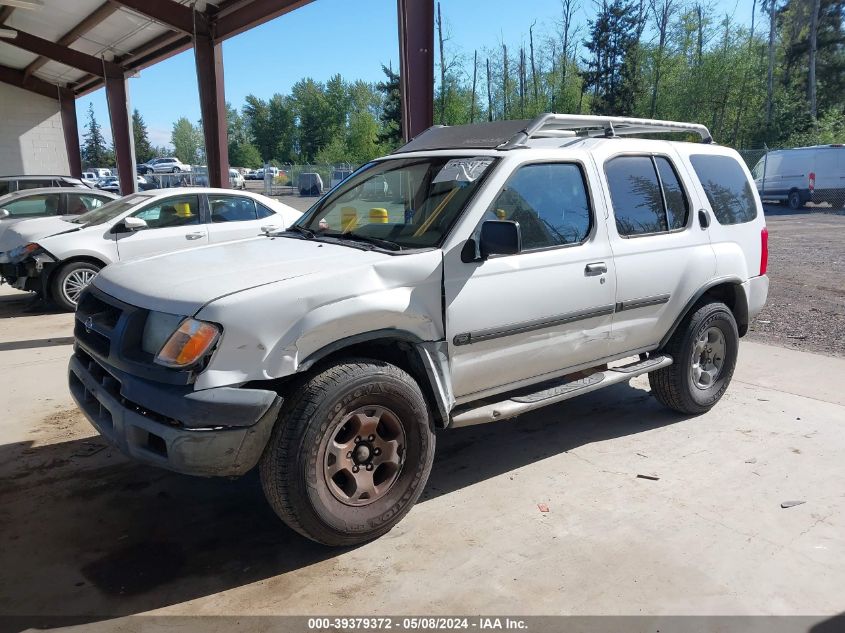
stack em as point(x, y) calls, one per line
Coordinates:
point(375, 241)
point(306, 233)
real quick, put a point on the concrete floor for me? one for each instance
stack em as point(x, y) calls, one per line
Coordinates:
point(85, 532)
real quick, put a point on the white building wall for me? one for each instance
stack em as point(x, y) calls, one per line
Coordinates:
point(31, 135)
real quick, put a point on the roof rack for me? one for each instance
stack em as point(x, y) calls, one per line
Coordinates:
point(512, 134)
point(568, 125)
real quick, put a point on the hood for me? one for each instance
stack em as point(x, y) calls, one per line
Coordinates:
point(183, 282)
point(14, 233)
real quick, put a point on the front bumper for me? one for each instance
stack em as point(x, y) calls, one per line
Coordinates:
point(27, 275)
point(214, 432)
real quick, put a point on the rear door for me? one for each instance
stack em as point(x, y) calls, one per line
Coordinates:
point(172, 224)
point(237, 217)
point(662, 251)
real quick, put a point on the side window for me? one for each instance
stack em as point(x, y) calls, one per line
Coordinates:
point(550, 203)
point(635, 191)
point(35, 184)
point(77, 203)
point(728, 189)
point(231, 209)
point(677, 207)
point(34, 206)
point(179, 211)
point(264, 212)
point(647, 195)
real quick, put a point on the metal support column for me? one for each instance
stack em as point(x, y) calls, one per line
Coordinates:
point(416, 65)
point(67, 107)
point(117, 97)
point(209, 59)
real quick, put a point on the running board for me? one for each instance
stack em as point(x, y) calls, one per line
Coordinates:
point(553, 392)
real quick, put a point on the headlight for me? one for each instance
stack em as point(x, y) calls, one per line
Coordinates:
point(22, 252)
point(158, 327)
point(189, 343)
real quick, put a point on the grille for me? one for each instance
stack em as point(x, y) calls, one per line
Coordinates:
point(95, 323)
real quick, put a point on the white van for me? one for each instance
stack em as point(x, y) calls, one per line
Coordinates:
point(803, 174)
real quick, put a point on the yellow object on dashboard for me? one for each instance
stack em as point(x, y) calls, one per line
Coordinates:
point(348, 218)
point(183, 209)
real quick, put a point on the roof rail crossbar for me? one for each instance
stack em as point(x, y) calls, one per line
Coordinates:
point(547, 125)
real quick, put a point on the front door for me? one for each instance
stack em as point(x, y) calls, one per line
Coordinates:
point(517, 319)
point(172, 224)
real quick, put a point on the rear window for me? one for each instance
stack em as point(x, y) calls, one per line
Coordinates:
point(728, 189)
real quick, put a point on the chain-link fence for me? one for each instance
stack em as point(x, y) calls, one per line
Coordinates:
point(801, 177)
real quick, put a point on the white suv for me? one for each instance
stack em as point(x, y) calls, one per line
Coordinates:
point(494, 269)
point(57, 257)
point(169, 165)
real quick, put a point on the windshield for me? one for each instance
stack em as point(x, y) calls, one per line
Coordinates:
point(409, 202)
point(109, 211)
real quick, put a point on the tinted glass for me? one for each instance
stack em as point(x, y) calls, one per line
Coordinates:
point(179, 211)
point(231, 209)
point(637, 201)
point(728, 190)
point(33, 206)
point(550, 203)
point(264, 212)
point(677, 206)
point(4, 187)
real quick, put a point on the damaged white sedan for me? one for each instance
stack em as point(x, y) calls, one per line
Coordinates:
point(477, 273)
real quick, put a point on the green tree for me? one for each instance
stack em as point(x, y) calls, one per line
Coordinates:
point(271, 126)
point(187, 142)
point(391, 114)
point(308, 98)
point(143, 149)
point(94, 150)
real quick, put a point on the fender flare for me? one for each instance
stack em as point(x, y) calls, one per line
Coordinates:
point(732, 280)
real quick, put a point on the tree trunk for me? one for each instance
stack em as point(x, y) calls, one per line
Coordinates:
point(522, 82)
point(552, 82)
point(814, 46)
point(442, 68)
point(700, 33)
point(533, 66)
point(504, 80)
point(741, 109)
point(474, 83)
point(770, 87)
point(489, 92)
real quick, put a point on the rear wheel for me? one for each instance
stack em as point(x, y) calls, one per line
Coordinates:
point(70, 281)
point(794, 200)
point(704, 350)
point(350, 454)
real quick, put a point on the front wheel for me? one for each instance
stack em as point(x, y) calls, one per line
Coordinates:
point(350, 453)
point(704, 352)
point(70, 281)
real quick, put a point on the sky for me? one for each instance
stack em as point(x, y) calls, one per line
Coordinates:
point(350, 37)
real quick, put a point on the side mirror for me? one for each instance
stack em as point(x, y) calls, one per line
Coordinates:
point(3, 214)
point(134, 224)
point(500, 237)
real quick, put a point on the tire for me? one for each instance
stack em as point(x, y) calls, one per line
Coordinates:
point(682, 386)
point(309, 481)
point(69, 281)
point(794, 201)
point(175, 170)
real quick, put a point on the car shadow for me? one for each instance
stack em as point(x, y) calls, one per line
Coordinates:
point(89, 535)
point(24, 304)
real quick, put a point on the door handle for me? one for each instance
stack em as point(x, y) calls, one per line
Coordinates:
point(597, 268)
point(703, 219)
point(194, 236)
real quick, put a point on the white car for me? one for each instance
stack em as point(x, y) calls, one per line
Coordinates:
point(801, 175)
point(236, 180)
point(511, 266)
point(58, 257)
point(168, 165)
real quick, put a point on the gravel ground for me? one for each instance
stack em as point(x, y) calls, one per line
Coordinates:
point(806, 305)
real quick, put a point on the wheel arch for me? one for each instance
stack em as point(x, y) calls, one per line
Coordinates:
point(728, 291)
point(425, 361)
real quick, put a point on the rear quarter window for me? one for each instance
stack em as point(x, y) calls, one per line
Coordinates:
point(727, 187)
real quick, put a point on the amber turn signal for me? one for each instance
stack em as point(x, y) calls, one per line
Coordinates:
point(190, 342)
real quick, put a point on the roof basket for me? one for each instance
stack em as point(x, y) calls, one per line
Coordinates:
point(568, 125)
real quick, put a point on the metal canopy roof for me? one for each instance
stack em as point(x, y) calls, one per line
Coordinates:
point(75, 44)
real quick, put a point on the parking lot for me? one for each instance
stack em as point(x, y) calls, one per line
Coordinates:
point(87, 533)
